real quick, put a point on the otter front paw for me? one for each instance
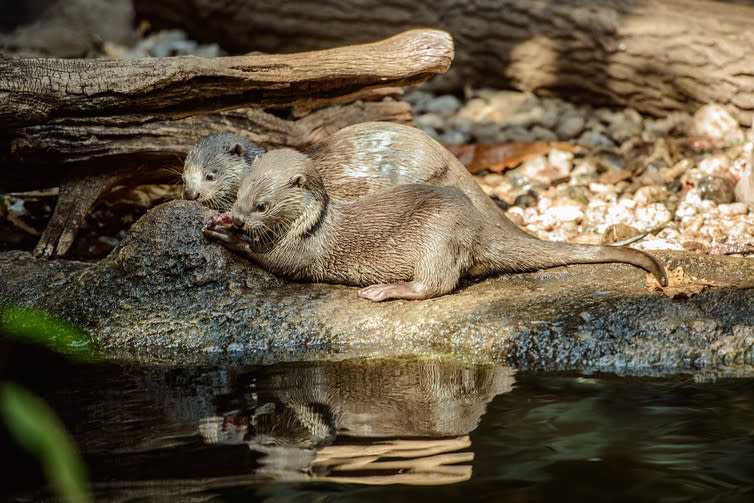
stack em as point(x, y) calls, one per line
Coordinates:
point(228, 236)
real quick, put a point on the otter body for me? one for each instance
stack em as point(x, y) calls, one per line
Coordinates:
point(373, 156)
point(410, 241)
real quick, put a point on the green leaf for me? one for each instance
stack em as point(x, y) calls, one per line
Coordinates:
point(37, 429)
point(36, 326)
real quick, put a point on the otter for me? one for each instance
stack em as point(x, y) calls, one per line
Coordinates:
point(214, 168)
point(410, 241)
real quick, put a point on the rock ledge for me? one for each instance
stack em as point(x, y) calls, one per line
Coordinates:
point(165, 292)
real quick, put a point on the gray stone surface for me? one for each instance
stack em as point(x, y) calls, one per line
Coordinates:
point(167, 293)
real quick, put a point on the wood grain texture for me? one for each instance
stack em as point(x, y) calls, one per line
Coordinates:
point(127, 92)
point(657, 56)
point(167, 142)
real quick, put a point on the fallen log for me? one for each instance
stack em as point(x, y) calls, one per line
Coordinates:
point(125, 92)
point(657, 56)
point(57, 145)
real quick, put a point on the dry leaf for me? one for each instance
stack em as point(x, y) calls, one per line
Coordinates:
point(498, 157)
point(697, 143)
point(680, 284)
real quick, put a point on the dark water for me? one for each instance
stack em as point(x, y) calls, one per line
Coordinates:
point(395, 430)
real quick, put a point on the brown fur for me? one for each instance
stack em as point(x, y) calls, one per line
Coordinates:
point(410, 241)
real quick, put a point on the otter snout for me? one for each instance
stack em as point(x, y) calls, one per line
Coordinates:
point(237, 221)
point(190, 194)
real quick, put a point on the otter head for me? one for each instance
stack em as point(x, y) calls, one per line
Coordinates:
point(215, 167)
point(281, 195)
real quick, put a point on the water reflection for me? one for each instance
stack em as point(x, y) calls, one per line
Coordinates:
point(379, 430)
point(620, 439)
point(364, 421)
point(417, 462)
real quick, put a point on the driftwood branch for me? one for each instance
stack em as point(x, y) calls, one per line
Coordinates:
point(77, 195)
point(655, 55)
point(60, 145)
point(126, 92)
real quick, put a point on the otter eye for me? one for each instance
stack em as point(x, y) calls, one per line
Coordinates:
point(261, 207)
point(210, 176)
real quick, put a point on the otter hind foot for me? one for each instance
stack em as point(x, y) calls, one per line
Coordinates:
point(378, 293)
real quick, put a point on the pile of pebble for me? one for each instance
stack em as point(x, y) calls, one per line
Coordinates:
point(687, 179)
point(164, 44)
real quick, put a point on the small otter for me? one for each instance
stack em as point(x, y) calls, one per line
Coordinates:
point(214, 169)
point(409, 242)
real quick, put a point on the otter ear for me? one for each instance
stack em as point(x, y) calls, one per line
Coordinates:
point(297, 180)
point(237, 149)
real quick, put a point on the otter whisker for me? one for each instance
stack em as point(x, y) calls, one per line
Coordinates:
point(260, 237)
point(222, 203)
point(174, 170)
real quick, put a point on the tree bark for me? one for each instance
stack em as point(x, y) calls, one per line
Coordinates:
point(127, 92)
point(657, 56)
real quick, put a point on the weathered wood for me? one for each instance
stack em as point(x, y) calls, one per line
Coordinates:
point(92, 123)
point(78, 192)
point(61, 145)
point(95, 121)
point(655, 55)
point(127, 92)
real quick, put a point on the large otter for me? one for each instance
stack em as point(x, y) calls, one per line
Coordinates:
point(409, 241)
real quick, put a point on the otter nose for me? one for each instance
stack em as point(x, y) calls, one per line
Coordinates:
point(237, 221)
point(191, 195)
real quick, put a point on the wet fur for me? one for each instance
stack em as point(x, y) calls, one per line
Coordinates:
point(408, 241)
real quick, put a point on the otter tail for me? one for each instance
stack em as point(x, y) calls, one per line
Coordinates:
point(524, 252)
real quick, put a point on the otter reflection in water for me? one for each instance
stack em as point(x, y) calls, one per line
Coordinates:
point(362, 421)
